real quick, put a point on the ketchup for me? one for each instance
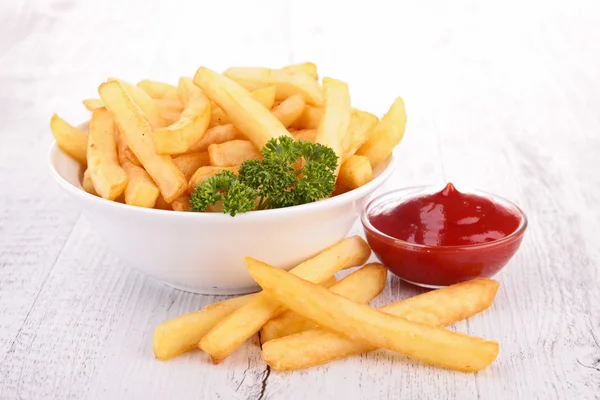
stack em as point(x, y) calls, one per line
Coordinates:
point(447, 218)
point(443, 238)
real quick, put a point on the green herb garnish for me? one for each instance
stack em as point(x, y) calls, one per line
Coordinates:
point(290, 173)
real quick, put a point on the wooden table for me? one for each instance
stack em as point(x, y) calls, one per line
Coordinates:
point(503, 97)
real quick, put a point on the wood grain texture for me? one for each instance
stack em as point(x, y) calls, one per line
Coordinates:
point(502, 97)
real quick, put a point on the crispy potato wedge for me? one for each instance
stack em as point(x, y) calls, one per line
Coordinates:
point(361, 286)
point(189, 163)
point(190, 127)
point(230, 333)
point(364, 324)
point(137, 131)
point(287, 84)
point(361, 125)
point(247, 114)
point(107, 175)
point(386, 135)
point(309, 119)
point(265, 96)
point(289, 110)
point(306, 134)
point(307, 68)
point(158, 90)
point(146, 103)
point(69, 139)
point(141, 191)
point(336, 116)
point(203, 173)
point(436, 308)
point(232, 153)
point(355, 172)
point(216, 135)
point(87, 184)
point(92, 104)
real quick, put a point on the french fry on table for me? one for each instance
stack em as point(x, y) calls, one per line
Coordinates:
point(304, 68)
point(137, 132)
point(69, 139)
point(216, 135)
point(158, 90)
point(289, 110)
point(287, 84)
point(436, 308)
point(336, 116)
point(191, 126)
point(355, 172)
point(140, 98)
point(364, 324)
point(361, 125)
point(189, 163)
point(92, 104)
point(230, 333)
point(249, 116)
point(141, 191)
point(361, 286)
point(107, 175)
point(265, 96)
point(203, 173)
point(386, 135)
point(232, 153)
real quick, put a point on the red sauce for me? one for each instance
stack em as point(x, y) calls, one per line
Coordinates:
point(446, 237)
point(447, 218)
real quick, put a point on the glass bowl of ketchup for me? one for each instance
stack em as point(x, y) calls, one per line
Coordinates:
point(435, 238)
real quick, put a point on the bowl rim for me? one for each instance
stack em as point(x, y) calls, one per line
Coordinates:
point(329, 203)
point(397, 194)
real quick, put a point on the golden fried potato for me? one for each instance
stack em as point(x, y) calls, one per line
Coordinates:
point(309, 119)
point(141, 191)
point(92, 104)
point(158, 90)
point(203, 173)
point(355, 172)
point(307, 68)
point(87, 183)
point(69, 139)
point(232, 153)
point(361, 125)
point(146, 103)
point(289, 110)
point(189, 163)
point(265, 96)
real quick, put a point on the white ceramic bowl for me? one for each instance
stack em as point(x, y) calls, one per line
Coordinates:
point(204, 252)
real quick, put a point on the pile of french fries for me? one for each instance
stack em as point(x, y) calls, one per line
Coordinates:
point(305, 317)
point(150, 144)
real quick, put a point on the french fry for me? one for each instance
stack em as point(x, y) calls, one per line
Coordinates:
point(265, 96)
point(190, 127)
point(232, 153)
point(182, 334)
point(87, 184)
point(146, 103)
point(92, 104)
point(436, 308)
point(361, 124)
point(309, 135)
point(361, 286)
point(182, 203)
point(309, 119)
point(189, 163)
point(289, 110)
point(69, 139)
point(216, 135)
point(355, 172)
point(161, 204)
point(362, 323)
point(386, 135)
point(230, 333)
point(247, 114)
point(137, 131)
point(131, 156)
point(304, 68)
point(158, 90)
point(336, 116)
point(287, 84)
point(203, 173)
point(107, 175)
point(141, 191)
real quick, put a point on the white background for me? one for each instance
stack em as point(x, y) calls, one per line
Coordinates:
point(501, 96)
